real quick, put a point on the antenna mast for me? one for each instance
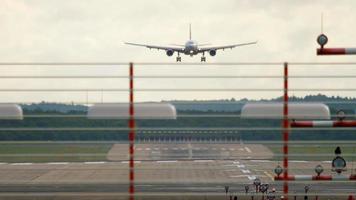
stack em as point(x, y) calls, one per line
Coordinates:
point(322, 23)
point(190, 31)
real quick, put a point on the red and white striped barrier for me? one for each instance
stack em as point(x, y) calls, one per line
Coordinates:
point(317, 178)
point(336, 51)
point(339, 123)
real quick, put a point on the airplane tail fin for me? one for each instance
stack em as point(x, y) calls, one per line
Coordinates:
point(190, 31)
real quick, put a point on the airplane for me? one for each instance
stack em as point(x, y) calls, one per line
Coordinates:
point(191, 48)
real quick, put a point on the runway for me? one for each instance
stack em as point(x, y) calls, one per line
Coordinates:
point(162, 169)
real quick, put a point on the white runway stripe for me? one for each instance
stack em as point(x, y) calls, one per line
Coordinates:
point(248, 150)
point(251, 178)
point(241, 166)
point(238, 176)
point(246, 171)
point(230, 170)
point(262, 161)
point(92, 163)
point(126, 162)
point(166, 161)
point(203, 161)
point(57, 163)
point(21, 163)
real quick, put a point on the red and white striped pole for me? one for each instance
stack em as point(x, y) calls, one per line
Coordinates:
point(310, 124)
point(336, 51)
point(317, 178)
point(285, 132)
point(131, 134)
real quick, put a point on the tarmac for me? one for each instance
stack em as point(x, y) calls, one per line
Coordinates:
point(184, 169)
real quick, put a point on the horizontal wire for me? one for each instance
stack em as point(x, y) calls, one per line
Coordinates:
point(85, 103)
point(63, 63)
point(173, 63)
point(183, 116)
point(168, 76)
point(176, 129)
point(172, 195)
point(180, 155)
point(179, 90)
point(193, 141)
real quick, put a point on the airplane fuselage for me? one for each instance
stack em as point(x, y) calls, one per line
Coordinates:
point(191, 48)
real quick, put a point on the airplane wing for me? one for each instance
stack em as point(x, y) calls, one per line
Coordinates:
point(156, 47)
point(201, 50)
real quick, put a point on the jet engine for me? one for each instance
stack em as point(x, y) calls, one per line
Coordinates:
point(169, 52)
point(212, 52)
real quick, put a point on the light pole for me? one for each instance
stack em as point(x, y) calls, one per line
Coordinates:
point(257, 183)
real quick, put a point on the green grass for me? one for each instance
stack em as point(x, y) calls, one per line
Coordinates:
point(52, 152)
point(312, 152)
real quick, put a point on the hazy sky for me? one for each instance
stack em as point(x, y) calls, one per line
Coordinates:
point(93, 30)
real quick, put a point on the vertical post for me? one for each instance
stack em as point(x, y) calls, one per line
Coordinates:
point(285, 132)
point(131, 134)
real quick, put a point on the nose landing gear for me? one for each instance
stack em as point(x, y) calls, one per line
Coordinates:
point(179, 59)
point(203, 58)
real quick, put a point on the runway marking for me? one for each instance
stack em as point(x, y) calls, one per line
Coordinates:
point(250, 177)
point(241, 166)
point(232, 165)
point(127, 162)
point(166, 161)
point(232, 149)
point(326, 161)
point(57, 163)
point(262, 161)
point(299, 161)
point(92, 163)
point(21, 163)
point(246, 171)
point(248, 150)
point(269, 175)
point(230, 170)
point(139, 149)
point(241, 149)
point(203, 161)
point(3, 163)
point(236, 162)
point(183, 149)
point(238, 176)
point(148, 149)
